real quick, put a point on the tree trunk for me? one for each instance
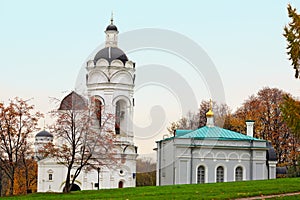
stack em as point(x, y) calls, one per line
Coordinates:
point(12, 185)
point(67, 188)
point(26, 174)
point(1, 178)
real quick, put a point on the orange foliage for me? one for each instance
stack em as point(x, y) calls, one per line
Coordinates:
point(23, 185)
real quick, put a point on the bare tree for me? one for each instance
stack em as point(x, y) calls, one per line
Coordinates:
point(194, 120)
point(81, 140)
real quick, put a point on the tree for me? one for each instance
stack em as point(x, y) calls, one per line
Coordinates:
point(292, 35)
point(28, 172)
point(291, 114)
point(190, 122)
point(17, 122)
point(146, 172)
point(82, 141)
point(194, 120)
point(26, 177)
point(264, 108)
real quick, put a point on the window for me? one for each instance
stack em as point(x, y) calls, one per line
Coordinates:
point(118, 119)
point(97, 109)
point(220, 174)
point(50, 177)
point(120, 115)
point(239, 174)
point(201, 174)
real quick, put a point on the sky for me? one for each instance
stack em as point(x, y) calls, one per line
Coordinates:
point(45, 44)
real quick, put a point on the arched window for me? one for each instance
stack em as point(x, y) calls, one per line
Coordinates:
point(118, 119)
point(120, 116)
point(201, 174)
point(239, 174)
point(98, 110)
point(220, 174)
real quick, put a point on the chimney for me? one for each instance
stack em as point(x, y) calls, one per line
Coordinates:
point(250, 124)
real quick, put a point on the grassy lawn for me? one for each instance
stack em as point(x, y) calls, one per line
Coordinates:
point(288, 197)
point(195, 191)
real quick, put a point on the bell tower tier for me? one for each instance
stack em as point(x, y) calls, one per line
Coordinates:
point(111, 34)
point(110, 82)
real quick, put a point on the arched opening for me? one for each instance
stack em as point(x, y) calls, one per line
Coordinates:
point(98, 110)
point(239, 174)
point(121, 184)
point(201, 174)
point(220, 174)
point(120, 116)
point(74, 187)
point(97, 107)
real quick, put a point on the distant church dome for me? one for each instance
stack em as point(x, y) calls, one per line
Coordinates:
point(44, 134)
point(73, 101)
point(110, 54)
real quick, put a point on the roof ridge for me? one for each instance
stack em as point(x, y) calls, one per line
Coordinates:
point(206, 132)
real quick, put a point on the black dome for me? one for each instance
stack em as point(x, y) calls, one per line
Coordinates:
point(111, 27)
point(110, 54)
point(44, 134)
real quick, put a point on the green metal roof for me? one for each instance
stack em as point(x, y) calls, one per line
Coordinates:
point(213, 133)
point(182, 132)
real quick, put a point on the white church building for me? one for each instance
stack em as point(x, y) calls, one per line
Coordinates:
point(110, 82)
point(212, 154)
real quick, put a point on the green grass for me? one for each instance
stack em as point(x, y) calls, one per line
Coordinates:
point(296, 197)
point(196, 191)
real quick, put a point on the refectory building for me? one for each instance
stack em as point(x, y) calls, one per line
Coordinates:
point(213, 154)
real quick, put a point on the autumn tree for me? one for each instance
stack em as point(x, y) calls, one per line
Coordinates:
point(26, 177)
point(264, 108)
point(291, 114)
point(83, 143)
point(17, 122)
point(292, 35)
point(194, 120)
point(28, 172)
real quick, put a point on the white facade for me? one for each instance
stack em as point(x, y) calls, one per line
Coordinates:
point(110, 81)
point(212, 154)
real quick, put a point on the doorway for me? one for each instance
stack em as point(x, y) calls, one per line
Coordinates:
point(121, 184)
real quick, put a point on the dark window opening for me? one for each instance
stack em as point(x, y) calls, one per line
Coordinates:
point(50, 177)
point(239, 174)
point(220, 174)
point(98, 110)
point(201, 174)
point(118, 118)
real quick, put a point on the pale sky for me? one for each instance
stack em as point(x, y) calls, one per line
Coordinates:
point(44, 44)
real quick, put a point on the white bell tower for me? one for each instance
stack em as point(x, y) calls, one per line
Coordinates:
point(110, 85)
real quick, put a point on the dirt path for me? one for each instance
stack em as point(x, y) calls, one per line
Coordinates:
point(270, 196)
